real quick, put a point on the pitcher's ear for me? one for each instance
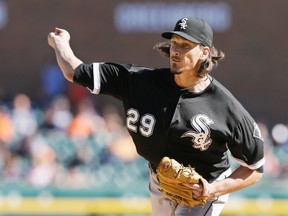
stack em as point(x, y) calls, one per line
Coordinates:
point(205, 52)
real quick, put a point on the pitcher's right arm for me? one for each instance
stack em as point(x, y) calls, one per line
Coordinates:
point(67, 61)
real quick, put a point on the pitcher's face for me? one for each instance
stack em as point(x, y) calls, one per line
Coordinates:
point(184, 55)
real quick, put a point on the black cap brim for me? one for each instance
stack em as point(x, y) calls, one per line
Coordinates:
point(168, 35)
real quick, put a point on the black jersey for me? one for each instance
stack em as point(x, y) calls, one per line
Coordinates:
point(164, 120)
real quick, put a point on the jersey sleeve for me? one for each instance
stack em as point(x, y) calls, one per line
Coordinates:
point(84, 76)
point(247, 146)
point(104, 78)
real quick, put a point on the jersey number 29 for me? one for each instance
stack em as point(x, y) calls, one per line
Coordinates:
point(147, 122)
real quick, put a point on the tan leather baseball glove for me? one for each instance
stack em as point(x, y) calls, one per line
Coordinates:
point(172, 175)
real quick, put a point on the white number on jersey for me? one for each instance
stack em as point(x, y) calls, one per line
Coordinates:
point(147, 122)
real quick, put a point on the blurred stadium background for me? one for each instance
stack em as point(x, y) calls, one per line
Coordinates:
point(65, 152)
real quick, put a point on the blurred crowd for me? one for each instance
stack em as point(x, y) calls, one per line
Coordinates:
point(63, 147)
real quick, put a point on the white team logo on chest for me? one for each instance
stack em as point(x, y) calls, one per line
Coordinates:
point(201, 136)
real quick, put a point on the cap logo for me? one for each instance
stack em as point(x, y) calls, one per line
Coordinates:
point(183, 23)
